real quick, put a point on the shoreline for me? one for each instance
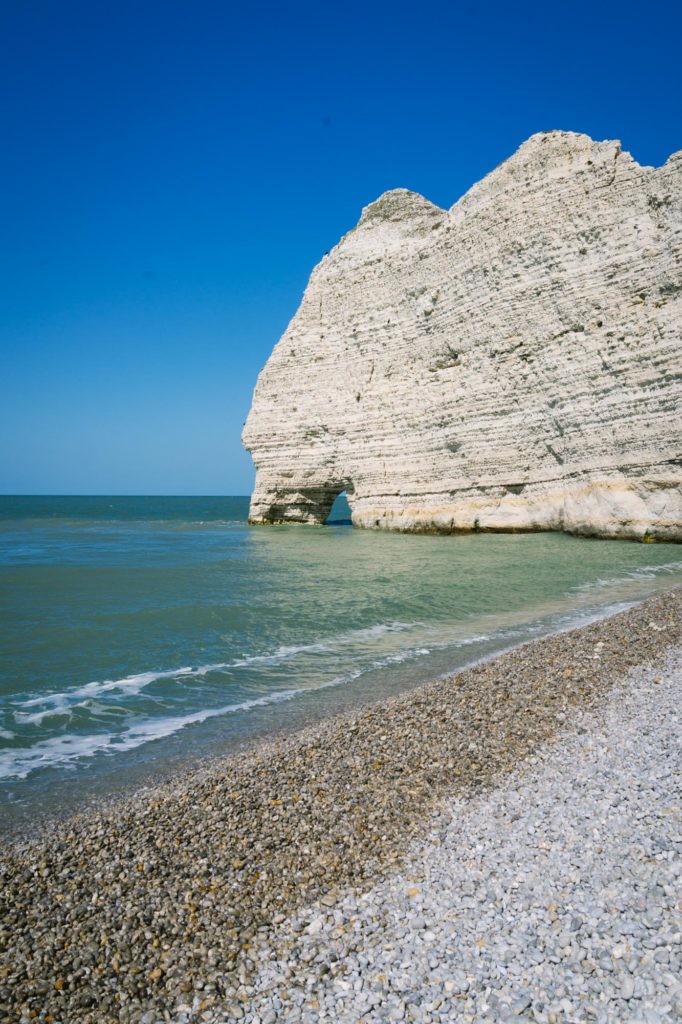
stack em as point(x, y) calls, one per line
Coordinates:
point(122, 911)
point(37, 822)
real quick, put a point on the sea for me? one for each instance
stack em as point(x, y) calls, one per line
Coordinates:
point(141, 635)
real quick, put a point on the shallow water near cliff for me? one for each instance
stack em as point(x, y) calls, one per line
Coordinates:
point(141, 634)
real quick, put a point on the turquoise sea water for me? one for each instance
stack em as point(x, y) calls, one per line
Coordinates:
point(137, 634)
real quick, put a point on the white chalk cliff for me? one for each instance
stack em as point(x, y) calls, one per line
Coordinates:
point(514, 363)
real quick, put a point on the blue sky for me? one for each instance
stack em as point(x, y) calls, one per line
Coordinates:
point(171, 172)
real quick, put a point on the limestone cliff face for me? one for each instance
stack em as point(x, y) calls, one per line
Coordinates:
point(514, 363)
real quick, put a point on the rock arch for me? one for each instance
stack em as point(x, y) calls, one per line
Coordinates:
point(303, 503)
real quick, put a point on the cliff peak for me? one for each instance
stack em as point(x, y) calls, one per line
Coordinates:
point(400, 204)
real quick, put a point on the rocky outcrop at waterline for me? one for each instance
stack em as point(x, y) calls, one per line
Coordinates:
point(514, 363)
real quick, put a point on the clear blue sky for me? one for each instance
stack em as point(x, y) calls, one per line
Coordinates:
point(172, 171)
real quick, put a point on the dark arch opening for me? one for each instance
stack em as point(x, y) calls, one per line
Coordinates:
point(340, 512)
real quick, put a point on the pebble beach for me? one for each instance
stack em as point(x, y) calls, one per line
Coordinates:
point(503, 844)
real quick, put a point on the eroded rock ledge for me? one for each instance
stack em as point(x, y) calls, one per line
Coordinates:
point(514, 363)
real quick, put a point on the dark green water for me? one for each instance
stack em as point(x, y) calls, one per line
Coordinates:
point(137, 634)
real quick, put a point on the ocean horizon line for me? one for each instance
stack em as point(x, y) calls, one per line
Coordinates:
point(108, 494)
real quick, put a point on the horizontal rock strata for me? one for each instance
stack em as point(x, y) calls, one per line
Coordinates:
point(514, 363)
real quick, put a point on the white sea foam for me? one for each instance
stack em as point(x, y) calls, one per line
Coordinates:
point(137, 682)
point(642, 572)
point(438, 638)
point(18, 763)
point(325, 646)
point(281, 654)
point(60, 751)
point(400, 656)
point(59, 703)
point(56, 708)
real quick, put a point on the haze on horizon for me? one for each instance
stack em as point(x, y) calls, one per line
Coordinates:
point(172, 173)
